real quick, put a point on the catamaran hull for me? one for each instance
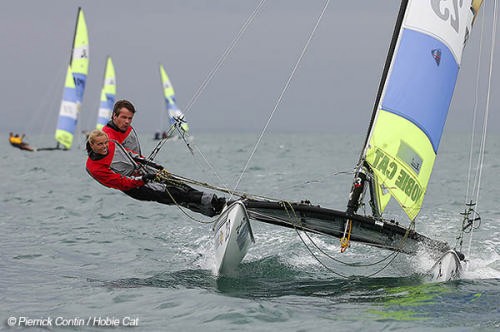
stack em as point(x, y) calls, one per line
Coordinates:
point(448, 267)
point(232, 237)
point(366, 230)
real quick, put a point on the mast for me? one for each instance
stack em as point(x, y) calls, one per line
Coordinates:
point(74, 34)
point(362, 169)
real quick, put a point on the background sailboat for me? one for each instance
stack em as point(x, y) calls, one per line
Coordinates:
point(74, 86)
point(175, 116)
point(108, 95)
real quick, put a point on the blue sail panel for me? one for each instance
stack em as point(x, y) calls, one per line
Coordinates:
point(67, 123)
point(69, 95)
point(80, 80)
point(421, 84)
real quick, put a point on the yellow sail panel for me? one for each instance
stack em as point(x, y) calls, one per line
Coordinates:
point(383, 196)
point(401, 158)
point(168, 89)
point(110, 80)
point(80, 58)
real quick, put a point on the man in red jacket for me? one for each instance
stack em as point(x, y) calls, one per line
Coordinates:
point(120, 129)
point(115, 167)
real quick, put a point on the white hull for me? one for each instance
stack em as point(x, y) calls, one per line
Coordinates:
point(232, 237)
point(448, 267)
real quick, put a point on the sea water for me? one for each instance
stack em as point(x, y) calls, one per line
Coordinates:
point(76, 255)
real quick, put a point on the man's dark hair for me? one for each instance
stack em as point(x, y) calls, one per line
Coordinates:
point(123, 104)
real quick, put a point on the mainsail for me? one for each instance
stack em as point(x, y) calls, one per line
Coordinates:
point(174, 113)
point(108, 95)
point(414, 98)
point(74, 86)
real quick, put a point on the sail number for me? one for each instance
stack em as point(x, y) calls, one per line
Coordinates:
point(445, 13)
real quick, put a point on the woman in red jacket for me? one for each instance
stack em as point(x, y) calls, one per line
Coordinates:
point(115, 167)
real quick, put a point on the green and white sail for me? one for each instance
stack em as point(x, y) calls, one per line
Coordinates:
point(174, 113)
point(74, 86)
point(415, 97)
point(108, 95)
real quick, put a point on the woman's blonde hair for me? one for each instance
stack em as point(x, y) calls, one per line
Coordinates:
point(95, 134)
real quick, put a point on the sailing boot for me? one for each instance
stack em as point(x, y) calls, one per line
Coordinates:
point(218, 203)
point(206, 206)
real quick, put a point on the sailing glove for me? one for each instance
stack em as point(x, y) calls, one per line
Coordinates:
point(148, 177)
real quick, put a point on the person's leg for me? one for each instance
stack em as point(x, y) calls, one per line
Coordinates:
point(182, 194)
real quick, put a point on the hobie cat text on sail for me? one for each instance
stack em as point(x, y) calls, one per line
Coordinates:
point(404, 180)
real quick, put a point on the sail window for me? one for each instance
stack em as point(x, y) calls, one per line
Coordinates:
point(410, 157)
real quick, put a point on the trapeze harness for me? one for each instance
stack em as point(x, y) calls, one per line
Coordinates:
point(128, 138)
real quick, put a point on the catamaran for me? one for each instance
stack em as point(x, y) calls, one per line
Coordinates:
point(399, 151)
point(108, 95)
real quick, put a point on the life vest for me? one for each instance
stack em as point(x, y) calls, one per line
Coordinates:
point(115, 170)
point(15, 140)
point(128, 138)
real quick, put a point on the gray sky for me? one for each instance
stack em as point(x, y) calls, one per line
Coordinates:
point(333, 89)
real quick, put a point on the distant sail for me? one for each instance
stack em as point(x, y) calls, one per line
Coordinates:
point(74, 86)
point(108, 95)
point(173, 110)
point(410, 116)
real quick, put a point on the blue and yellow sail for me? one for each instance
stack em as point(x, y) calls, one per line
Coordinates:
point(108, 95)
point(74, 86)
point(411, 113)
point(174, 113)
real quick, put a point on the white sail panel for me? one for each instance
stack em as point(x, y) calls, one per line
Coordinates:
point(448, 21)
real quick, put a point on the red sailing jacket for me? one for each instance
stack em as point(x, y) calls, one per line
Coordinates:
point(128, 139)
point(100, 168)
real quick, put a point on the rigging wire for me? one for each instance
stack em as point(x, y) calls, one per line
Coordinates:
point(475, 111)
point(203, 86)
point(224, 56)
point(390, 258)
point(47, 109)
point(486, 113)
point(280, 98)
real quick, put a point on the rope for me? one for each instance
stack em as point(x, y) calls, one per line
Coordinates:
point(285, 88)
point(205, 83)
point(474, 112)
point(163, 177)
point(486, 115)
point(391, 257)
point(345, 241)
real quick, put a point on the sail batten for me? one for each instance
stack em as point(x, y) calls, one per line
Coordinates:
point(74, 87)
point(414, 99)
